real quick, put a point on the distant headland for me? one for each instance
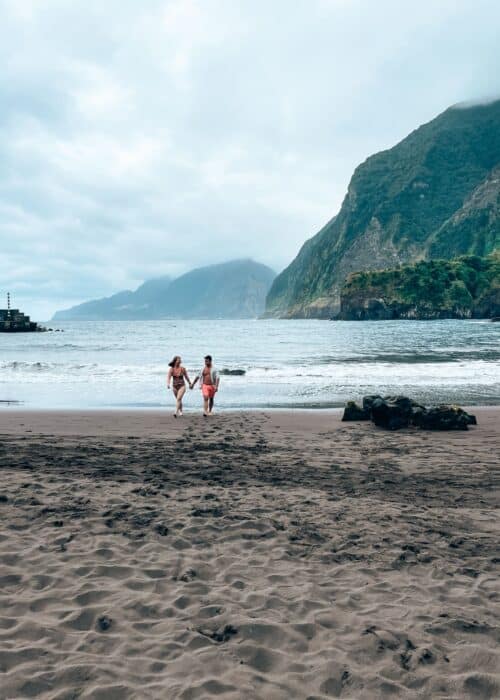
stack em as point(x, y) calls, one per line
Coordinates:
point(232, 290)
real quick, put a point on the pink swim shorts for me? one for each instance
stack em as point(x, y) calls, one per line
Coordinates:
point(208, 391)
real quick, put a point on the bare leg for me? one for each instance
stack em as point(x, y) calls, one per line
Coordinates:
point(178, 404)
point(205, 406)
point(210, 405)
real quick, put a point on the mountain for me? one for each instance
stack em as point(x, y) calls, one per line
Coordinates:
point(235, 289)
point(435, 194)
point(120, 306)
point(466, 287)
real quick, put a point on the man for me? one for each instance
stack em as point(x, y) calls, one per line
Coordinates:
point(209, 381)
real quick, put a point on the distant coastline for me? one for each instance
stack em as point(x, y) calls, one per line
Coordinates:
point(233, 290)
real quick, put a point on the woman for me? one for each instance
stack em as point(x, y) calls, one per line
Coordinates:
point(176, 375)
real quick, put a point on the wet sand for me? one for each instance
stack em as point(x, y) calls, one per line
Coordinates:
point(250, 555)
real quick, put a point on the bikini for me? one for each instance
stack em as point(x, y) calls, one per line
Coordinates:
point(178, 380)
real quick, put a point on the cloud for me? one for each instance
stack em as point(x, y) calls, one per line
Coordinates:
point(145, 138)
point(477, 102)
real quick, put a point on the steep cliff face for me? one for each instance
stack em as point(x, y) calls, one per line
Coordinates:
point(467, 287)
point(475, 227)
point(435, 194)
point(236, 289)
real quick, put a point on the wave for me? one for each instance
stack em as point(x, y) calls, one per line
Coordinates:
point(30, 366)
point(20, 366)
point(72, 371)
point(65, 347)
point(439, 356)
point(318, 367)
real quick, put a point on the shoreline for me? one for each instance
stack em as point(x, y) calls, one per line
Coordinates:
point(282, 555)
point(10, 415)
point(145, 422)
point(18, 420)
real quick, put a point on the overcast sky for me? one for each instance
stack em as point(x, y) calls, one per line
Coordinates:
point(147, 138)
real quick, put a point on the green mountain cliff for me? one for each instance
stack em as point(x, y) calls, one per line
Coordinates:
point(436, 194)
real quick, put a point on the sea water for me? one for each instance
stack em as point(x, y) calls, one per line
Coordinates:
point(287, 364)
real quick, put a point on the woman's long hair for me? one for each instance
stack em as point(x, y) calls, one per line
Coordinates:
point(173, 361)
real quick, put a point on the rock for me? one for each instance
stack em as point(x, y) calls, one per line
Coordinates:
point(426, 657)
point(104, 623)
point(188, 576)
point(354, 412)
point(161, 529)
point(224, 635)
point(395, 412)
point(417, 413)
point(392, 412)
point(368, 401)
point(444, 418)
point(233, 372)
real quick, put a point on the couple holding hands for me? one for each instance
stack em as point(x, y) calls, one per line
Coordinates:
point(208, 378)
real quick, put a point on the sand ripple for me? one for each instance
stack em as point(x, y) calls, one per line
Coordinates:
point(250, 558)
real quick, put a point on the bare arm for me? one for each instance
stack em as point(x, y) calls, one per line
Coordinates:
point(169, 377)
point(185, 372)
point(194, 381)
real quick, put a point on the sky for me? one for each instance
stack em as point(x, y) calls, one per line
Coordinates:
point(147, 138)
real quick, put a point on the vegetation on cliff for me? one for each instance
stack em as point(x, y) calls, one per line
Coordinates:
point(468, 286)
point(436, 194)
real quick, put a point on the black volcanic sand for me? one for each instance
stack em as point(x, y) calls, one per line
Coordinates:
point(249, 555)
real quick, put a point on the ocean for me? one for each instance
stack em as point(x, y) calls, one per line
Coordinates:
point(288, 364)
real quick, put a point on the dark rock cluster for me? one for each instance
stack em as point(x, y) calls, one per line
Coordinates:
point(395, 412)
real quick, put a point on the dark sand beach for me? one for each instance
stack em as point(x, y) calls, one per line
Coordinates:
point(251, 555)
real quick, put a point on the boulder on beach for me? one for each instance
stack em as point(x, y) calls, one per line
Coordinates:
point(354, 412)
point(368, 401)
point(396, 412)
point(444, 418)
point(393, 412)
